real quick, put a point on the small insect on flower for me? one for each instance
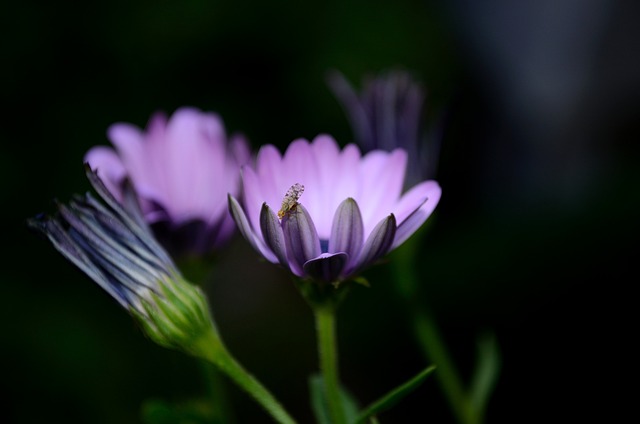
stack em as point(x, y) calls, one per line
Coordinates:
point(290, 200)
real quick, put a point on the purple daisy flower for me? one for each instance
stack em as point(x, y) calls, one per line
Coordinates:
point(181, 169)
point(338, 212)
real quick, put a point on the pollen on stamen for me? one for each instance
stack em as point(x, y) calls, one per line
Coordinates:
point(290, 200)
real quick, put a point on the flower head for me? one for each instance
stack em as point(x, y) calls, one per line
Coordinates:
point(112, 245)
point(387, 114)
point(181, 170)
point(341, 211)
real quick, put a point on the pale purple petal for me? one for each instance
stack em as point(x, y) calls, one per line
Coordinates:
point(328, 267)
point(378, 243)
point(383, 175)
point(300, 166)
point(240, 149)
point(423, 198)
point(156, 127)
point(195, 160)
point(348, 182)
point(130, 144)
point(247, 232)
point(338, 179)
point(269, 167)
point(327, 154)
point(253, 196)
point(301, 238)
point(108, 165)
point(347, 231)
point(211, 129)
point(155, 151)
point(273, 235)
point(219, 174)
point(414, 198)
point(186, 146)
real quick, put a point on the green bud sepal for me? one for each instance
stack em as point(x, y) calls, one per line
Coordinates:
point(177, 317)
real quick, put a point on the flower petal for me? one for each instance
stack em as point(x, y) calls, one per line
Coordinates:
point(327, 267)
point(423, 198)
point(327, 155)
point(128, 140)
point(191, 159)
point(347, 231)
point(247, 232)
point(346, 181)
point(240, 149)
point(273, 235)
point(301, 238)
point(354, 108)
point(64, 244)
point(129, 268)
point(142, 232)
point(300, 166)
point(108, 165)
point(383, 176)
point(269, 168)
point(253, 195)
point(378, 243)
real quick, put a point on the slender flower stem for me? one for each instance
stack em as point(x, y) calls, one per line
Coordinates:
point(431, 341)
point(217, 393)
point(327, 351)
point(199, 269)
point(211, 349)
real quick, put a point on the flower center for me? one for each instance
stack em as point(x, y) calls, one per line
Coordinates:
point(324, 246)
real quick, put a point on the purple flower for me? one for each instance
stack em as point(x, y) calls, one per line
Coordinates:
point(387, 114)
point(341, 211)
point(181, 170)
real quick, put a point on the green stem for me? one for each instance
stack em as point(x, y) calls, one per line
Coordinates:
point(327, 351)
point(217, 393)
point(448, 377)
point(211, 349)
point(432, 344)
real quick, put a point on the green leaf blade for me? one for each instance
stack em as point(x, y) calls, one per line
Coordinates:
point(394, 396)
point(486, 372)
point(320, 406)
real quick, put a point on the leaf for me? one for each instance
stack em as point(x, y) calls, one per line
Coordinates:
point(319, 401)
point(486, 372)
point(394, 396)
point(192, 411)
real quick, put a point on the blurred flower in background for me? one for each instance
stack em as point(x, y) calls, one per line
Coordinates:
point(181, 169)
point(388, 113)
point(352, 211)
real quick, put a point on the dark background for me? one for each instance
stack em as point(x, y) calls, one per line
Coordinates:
point(533, 237)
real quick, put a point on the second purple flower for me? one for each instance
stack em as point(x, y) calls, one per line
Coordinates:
point(182, 169)
point(325, 213)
